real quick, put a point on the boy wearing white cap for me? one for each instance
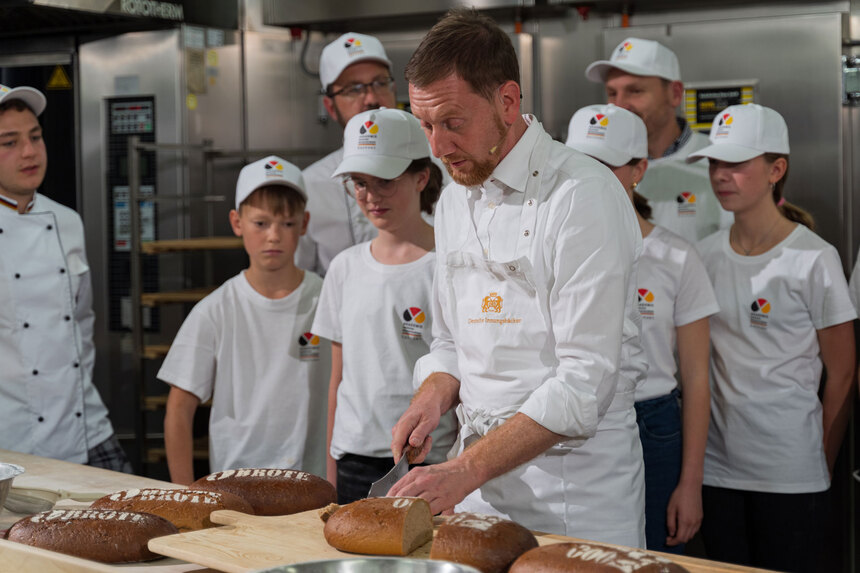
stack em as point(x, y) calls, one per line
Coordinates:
point(375, 305)
point(249, 345)
point(675, 299)
point(785, 312)
point(49, 405)
point(355, 74)
point(643, 76)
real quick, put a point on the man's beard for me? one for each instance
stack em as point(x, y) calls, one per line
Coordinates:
point(481, 169)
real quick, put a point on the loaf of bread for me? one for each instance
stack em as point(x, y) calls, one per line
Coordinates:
point(486, 542)
point(587, 557)
point(187, 509)
point(380, 526)
point(272, 491)
point(107, 536)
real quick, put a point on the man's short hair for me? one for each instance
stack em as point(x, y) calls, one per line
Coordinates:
point(470, 45)
point(278, 199)
point(16, 104)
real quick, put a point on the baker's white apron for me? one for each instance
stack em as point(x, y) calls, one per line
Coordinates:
point(506, 349)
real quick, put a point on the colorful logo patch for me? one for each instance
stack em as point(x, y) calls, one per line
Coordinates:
point(367, 134)
point(350, 42)
point(724, 122)
point(353, 47)
point(646, 303)
point(492, 303)
point(597, 126)
point(309, 346)
point(274, 169)
point(686, 204)
point(413, 322)
point(624, 48)
point(760, 313)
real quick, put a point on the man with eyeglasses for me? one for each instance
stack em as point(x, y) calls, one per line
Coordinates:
point(355, 73)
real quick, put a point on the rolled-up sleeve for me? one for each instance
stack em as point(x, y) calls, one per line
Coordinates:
point(591, 242)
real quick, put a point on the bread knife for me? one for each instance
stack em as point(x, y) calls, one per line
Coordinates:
point(380, 487)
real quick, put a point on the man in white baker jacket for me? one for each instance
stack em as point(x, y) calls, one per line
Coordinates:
point(643, 76)
point(48, 403)
point(535, 339)
point(356, 76)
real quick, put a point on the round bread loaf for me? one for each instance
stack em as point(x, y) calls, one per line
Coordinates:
point(187, 509)
point(107, 536)
point(486, 542)
point(272, 491)
point(380, 526)
point(589, 557)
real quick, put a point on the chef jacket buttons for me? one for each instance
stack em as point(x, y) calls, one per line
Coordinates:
point(50, 227)
point(62, 271)
point(67, 317)
point(531, 202)
point(512, 267)
point(76, 364)
point(535, 173)
point(17, 275)
point(26, 325)
point(78, 414)
point(526, 233)
point(35, 372)
point(41, 419)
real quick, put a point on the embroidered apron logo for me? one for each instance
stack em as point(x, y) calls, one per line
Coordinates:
point(413, 322)
point(646, 304)
point(760, 309)
point(686, 204)
point(309, 347)
point(492, 303)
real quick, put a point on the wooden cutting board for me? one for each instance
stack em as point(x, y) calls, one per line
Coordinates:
point(250, 542)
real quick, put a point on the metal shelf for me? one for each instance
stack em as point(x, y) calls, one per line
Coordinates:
point(198, 244)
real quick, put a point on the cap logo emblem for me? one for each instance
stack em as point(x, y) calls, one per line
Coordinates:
point(597, 126)
point(367, 135)
point(723, 125)
point(4, 89)
point(274, 169)
point(353, 47)
point(622, 51)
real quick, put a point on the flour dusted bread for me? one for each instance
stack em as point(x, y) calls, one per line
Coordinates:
point(486, 542)
point(271, 491)
point(187, 509)
point(380, 526)
point(107, 536)
point(586, 557)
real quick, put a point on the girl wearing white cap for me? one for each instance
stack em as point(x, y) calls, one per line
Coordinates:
point(375, 304)
point(784, 312)
point(675, 300)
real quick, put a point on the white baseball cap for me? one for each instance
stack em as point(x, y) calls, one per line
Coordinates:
point(741, 132)
point(640, 58)
point(30, 96)
point(271, 170)
point(347, 50)
point(608, 133)
point(382, 142)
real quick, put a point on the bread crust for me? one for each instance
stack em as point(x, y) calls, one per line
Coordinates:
point(486, 542)
point(271, 491)
point(380, 526)
point(590, 557)
point(107, 536)
point(187, 509)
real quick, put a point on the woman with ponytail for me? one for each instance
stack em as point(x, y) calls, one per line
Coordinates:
point(785, 313)
point(675, 300)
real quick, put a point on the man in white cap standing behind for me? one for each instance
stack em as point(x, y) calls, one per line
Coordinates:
point(643, 76)
point(356, 76)
point(48, 404)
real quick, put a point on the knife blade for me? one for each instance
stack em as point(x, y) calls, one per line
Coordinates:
point(381, 486)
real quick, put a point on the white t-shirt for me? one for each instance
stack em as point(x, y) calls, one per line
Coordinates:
point(336, 221)
point(766, 419)
point(266, 373)
point(680, 194)
point(674, 290)
point(854, 284)
point(381, 315)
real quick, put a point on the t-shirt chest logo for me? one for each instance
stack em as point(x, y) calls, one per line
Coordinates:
point(646, 304)
point(686, 204)
point(760, 313)
point(492, 307)
point(309, 347)
point(413, 323)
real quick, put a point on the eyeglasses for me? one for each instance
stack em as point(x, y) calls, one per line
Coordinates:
point(354, 91)
point(358, 188)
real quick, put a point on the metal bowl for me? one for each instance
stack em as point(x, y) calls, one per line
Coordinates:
point(7, 474)
point(373, 565)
